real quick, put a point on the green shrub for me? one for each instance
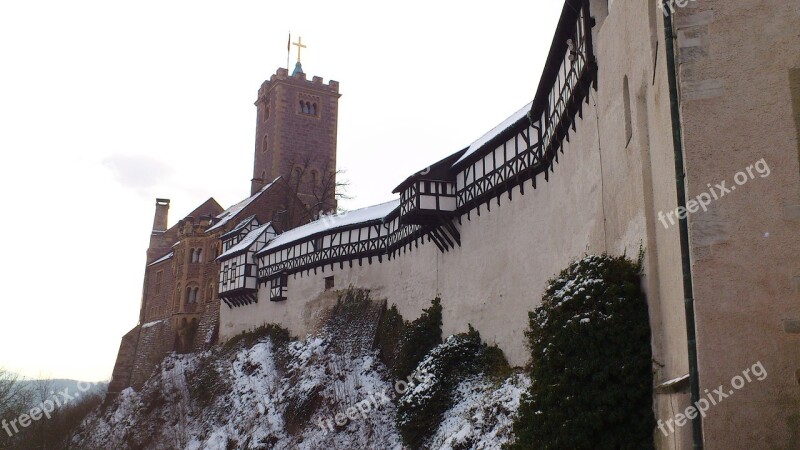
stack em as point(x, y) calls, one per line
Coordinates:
point(431, 392)
point(391, 329)
point(591, 361)
point(419, 337)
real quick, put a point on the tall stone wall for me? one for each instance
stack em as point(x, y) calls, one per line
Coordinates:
point(126, 357)
point(156, 340)
point(736, 62)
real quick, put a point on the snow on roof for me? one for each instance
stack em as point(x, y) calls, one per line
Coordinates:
point(246, 242)
point(162, 259)
point(150, 324)
point(234, 210)
point(344, 219)
point(238, 227)
point(506, 124)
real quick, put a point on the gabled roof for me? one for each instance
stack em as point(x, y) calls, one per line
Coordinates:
point(331, 223)
point(166, 257)
point(244, 223)
point(439, 171)
point(234, 211)
point(511, 121)
point(246, 242)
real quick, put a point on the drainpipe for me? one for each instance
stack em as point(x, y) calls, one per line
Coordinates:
point(683, 224)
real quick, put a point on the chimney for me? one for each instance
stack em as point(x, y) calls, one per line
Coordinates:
point(162, 212)
point(158, 245)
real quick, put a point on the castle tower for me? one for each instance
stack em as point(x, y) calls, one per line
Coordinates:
point(296, 136)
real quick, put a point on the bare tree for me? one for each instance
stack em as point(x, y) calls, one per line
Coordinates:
point(320, 191)
point(42, 389)
point(14, 396)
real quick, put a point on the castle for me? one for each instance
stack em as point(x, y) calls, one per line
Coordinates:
point(645, 123)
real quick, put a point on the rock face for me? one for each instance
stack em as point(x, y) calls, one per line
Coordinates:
point(266, 391)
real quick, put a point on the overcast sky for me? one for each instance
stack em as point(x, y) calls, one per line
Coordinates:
point(106, 105)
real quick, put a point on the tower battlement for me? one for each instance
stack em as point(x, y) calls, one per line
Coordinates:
point(298, 80)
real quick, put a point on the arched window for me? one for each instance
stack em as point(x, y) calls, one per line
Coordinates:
point(265, 143)
point(301, 107)
point(314, 178)
point(192, 294)
point(314, 109)
point(199, 255)
point(191, 255)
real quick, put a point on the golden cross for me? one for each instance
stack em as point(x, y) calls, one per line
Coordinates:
point(300, 46)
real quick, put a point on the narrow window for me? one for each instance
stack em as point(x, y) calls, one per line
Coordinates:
point(314, 109)
point(159, 275)
point(301, 107)
point(626, 93)
point(199, 255)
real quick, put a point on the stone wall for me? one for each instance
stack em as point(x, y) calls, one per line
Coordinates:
point(156, 340)
point(735, 64)
point(126, 357)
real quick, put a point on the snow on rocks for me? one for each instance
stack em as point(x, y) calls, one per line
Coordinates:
point(316, 398)
point(483, 414)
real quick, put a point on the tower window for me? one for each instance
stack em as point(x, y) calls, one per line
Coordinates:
point(265, 110)
point(307, 105)
point(265, 143)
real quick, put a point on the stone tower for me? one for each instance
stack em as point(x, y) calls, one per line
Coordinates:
point(296, 136)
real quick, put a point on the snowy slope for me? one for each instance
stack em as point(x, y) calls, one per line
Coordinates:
point(263, 401)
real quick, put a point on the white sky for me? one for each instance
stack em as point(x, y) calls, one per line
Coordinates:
point(106, 105)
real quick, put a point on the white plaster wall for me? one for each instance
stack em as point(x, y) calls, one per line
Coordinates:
point(492, 281)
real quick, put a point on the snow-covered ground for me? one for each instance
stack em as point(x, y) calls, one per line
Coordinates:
point(304, 404)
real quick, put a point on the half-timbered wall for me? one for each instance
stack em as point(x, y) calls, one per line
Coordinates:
point(336, 247)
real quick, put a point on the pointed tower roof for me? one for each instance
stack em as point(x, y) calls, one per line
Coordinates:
point(298, 68)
